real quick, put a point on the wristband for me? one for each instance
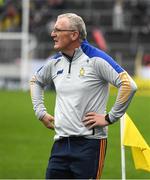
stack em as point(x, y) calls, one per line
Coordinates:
point(107, 119)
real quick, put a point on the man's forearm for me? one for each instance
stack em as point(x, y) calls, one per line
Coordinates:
point(124, 97)
point(37, 97)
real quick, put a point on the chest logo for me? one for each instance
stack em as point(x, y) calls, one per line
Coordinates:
point(60, 71)
point(82, 71)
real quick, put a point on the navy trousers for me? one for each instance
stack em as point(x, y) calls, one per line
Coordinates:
point(76, 158)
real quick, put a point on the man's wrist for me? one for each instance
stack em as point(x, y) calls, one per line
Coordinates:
point(42, 115)
point(108, 119)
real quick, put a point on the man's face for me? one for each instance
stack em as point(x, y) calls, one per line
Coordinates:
point(62, 35)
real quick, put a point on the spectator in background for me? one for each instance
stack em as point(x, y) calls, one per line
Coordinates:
point(118, 16)
point(11, 19)
point(99, 39)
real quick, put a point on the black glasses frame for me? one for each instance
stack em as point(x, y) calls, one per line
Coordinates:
point(62, 30)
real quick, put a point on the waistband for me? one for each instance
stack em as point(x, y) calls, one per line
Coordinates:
point(73, 137)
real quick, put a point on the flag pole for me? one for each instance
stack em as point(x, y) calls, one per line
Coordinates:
point(123, 166)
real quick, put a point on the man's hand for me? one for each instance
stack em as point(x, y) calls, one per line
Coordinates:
point(48, 121)
point(93, 119)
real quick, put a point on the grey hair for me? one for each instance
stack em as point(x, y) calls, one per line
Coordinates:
point(77, 23)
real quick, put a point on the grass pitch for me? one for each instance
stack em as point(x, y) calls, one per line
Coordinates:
point(25, 143)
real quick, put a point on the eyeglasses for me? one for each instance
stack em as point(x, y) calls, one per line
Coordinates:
point(55, 30)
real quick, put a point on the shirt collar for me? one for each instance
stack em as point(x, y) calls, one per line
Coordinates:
point(77, 53)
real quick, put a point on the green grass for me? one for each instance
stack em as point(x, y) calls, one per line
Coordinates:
point(25, 143)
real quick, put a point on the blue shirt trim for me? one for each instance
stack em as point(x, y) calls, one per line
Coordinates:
point(56, 56)
point(92, 51)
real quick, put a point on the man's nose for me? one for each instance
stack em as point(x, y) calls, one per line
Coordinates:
point(53, 34)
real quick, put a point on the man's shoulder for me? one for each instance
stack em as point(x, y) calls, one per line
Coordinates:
point(100, 57)
point(92, 51)
point(56, 56)
point(54, 59)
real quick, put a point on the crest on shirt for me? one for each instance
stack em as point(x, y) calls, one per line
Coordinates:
point(82, 71)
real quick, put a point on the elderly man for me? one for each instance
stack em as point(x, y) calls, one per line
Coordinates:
point(81, 74)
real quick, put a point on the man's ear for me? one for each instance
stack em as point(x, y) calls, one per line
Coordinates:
point(75, 35)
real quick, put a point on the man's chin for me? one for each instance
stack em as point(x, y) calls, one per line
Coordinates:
point(57, 48)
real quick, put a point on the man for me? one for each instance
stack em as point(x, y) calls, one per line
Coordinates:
point(81, 74)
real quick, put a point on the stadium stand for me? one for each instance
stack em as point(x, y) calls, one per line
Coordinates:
point(122, 41)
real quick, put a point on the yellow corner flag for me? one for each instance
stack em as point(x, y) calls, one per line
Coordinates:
point(139, 147)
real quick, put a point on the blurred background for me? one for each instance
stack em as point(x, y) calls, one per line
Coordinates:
point(119, 27)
